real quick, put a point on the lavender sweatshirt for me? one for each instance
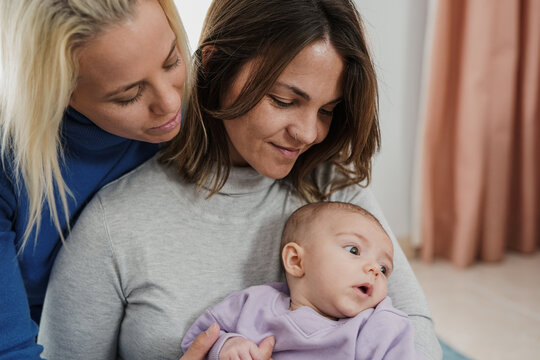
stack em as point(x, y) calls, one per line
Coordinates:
point(260, 311)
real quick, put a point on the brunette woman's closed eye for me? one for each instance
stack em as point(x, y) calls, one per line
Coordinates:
point(329, 113)
point(280, 103)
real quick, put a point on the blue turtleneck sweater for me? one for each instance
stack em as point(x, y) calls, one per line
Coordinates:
point(93, 158)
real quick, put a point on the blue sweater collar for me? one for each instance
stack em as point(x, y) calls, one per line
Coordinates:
point(81, 133)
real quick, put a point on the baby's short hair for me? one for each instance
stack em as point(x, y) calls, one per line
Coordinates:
point(309, 213)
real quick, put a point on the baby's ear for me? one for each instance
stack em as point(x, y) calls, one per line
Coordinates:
point(292, 256)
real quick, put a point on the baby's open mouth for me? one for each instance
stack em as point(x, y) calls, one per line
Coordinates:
point(366, 289)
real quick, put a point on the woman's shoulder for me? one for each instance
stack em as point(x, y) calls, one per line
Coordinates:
point(145, 177)
point(129, 202)
point(150, 186)
point(149, 183)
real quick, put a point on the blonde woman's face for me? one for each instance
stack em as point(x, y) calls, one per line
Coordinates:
point(131, 78)
point(295, 114)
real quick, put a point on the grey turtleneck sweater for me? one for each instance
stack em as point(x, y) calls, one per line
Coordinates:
point(149, 254)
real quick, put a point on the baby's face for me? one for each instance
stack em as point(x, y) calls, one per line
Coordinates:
point(347, 261)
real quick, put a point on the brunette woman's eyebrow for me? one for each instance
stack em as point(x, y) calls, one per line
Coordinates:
point(339, 99)
point(294, 89)
point(303, 94)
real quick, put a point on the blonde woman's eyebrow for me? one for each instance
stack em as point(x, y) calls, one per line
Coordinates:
point(173, 47)
point(122, 89)
point(125, 88)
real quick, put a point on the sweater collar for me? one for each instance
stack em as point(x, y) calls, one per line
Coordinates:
point(244, 180)
point(81, 133)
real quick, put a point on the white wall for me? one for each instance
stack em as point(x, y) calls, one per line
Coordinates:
point(396, 31)
point(192, 13)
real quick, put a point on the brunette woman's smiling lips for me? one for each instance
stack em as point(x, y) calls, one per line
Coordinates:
point(287, 152)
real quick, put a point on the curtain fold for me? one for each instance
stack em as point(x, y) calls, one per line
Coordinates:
point(480, 174)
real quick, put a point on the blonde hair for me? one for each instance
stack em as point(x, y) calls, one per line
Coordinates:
point(39, 62)
point(274, 32)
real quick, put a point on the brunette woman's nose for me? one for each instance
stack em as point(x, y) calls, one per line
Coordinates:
point(305, 130)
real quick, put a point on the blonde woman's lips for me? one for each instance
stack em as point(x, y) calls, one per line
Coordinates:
point(171, 124)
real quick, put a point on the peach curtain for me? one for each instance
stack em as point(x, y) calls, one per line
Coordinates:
point(480, 176)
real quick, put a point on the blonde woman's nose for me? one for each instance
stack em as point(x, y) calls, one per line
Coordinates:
point(166, 101)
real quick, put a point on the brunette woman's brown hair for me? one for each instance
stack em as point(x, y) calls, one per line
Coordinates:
point(273, 32)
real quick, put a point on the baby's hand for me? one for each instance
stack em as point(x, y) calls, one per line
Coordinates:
point(240, 348)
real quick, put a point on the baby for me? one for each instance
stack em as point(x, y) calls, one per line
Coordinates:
point(337, 260)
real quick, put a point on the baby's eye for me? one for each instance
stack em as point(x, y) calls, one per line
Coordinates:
point(352, 249)
point(384, 270)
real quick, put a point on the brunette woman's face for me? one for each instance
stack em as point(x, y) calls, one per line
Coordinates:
point(292, 117)
point(131, 77)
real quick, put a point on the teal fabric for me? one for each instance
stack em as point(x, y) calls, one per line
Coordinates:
point(451, 354)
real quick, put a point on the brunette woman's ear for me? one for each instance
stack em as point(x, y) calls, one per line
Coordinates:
point(206, 54)
point(292, 257)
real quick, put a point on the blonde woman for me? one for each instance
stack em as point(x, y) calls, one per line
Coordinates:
point(88, 88)
point(283, 112)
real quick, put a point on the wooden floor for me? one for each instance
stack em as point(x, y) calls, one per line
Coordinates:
point(489, 311)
